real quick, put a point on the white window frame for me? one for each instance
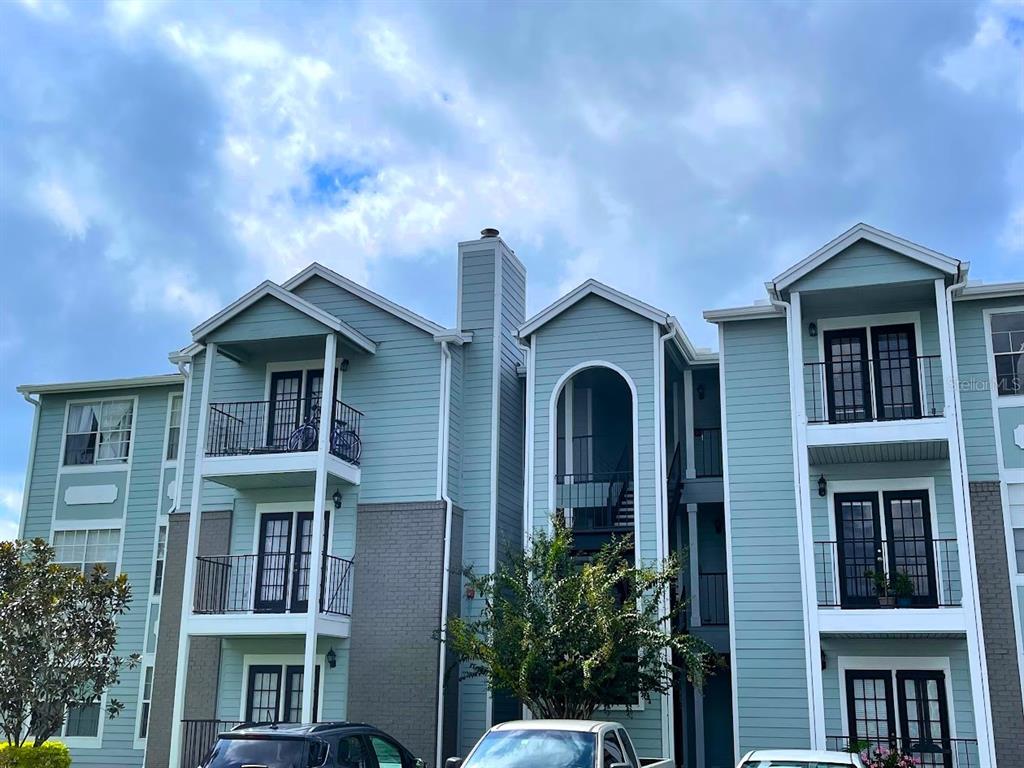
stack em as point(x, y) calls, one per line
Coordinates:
point(93, 525)
point(87, 742)
point(1002, 400)
point(148, 662)
point(867, 323)
point(106, 466)
point(283, 660)
point(1015, 522)
point(164, 523)
point(168, 442)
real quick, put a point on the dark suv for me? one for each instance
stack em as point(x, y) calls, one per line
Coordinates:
point(320, 745)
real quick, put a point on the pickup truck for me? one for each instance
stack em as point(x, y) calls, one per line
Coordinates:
point(556, 744)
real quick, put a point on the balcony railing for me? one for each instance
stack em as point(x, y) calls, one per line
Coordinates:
point(707, 451)
point(859, 573)
point(714, 599)
point(596, 501)
point(859, 390)
point(255, 427)
point(269, 583)
point(930, 753)
point(198, 738)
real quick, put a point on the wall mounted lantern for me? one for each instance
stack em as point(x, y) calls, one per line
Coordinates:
point(336, 498)
point(812, 329)
point(822, 486)
point(332, 658)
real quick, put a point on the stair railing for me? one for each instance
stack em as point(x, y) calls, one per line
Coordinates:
point(675, 480)
point(618, 488)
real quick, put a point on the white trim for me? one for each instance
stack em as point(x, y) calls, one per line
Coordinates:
point(87, 742)
point(752, 312)
point(993, 291)
point(148, 661)
point(282, 660)
point(591, 287)
point(693, 561)
point(894, 664)
point(531, 395)
point(140, 382)
point(661, 520)
point(97, 466)
point(319, 270)
point(734, 660)
point(444, 418)
point(698, 724)
point(29, 465)
point(269, 289)
point(860, 232)
point(689, 437)
point(492, 522)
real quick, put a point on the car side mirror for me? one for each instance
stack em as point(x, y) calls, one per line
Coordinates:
point(453, 762)
point(419, 763)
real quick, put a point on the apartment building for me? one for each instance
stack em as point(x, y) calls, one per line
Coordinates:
point(868, 418)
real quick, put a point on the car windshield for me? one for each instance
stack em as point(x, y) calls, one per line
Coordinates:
point(533, 748)
point(273, 753)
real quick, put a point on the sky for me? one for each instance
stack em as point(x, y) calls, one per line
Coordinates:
point(158, 160)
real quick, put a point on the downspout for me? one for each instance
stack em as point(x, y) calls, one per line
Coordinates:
point(445, 405)
point(961, 449)
point(668, 719)
point(29, 465)
point(799, 459)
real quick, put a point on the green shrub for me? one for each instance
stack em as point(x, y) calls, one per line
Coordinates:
point(51, 754)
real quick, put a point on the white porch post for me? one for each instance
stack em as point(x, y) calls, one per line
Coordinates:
point(316, 546)
point(698, 723)
point(188, 587)
point(691, 460)
point(694, 563)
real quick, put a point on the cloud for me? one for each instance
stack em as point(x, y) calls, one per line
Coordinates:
point(992, 62)
point(10, 511)
point(60, 205)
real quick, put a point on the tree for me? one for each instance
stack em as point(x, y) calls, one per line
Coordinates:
point(57, 642)
point(567, 637)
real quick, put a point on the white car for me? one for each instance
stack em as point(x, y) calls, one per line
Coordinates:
point(556, 744)
point(799, 758)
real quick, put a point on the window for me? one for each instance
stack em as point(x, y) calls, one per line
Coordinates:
point(147, 696)
point(388, 755)
point(84, 550)
point(275, 693)
point(1008, 351)
point(1016, 496)
point(83, 721)
point(98, 433)
point(174, 428)
point(161, 554)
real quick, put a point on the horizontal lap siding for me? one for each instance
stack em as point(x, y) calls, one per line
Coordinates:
point(767, 600)
point(976, 386)
point(268, 318)
point(510, 412)
point(865, 263)
point(596, 329)
point(397, 389)
point(455, 426)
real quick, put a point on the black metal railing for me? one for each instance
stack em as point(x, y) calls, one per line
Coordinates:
point(674, 481)
point(893, 389)
point(707, 451)
point(930, 753)
point(198, 738)
point(336, 590)
point(860, 573)
point(582, 451)
point(714, 599)
point(268, 583)
point(255, 427)
point(593, 500)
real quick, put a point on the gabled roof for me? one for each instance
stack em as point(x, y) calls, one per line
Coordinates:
point(863, 231)
point(319, 270)
point(269, 289)
point(591, 288)
point(137, 382)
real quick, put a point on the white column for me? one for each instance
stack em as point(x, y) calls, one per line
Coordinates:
point(694, 563)
point(691, 461)
point(188, 586)
point(964, 536)
point(698, 724)
point(316, 546)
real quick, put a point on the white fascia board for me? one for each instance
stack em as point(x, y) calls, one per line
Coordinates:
point(138, 382)
point(319, 270)
point(185, 354)
point(588, 288)
point(753, 312)
point(454, 336)
point(877, 236)
point(267, 288)
point(993, 291)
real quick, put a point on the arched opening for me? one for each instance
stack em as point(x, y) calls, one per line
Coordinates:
point(594, 472)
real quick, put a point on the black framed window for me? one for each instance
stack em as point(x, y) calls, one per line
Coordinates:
point(859, 548)
point(264, 699)
point(869, 706)
point(1008, 352)
point(924, 717)
point(847, 377)
point(897, 389)
point(910, 544)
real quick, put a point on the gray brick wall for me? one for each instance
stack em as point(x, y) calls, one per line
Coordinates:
point(393, 657)
point(997, 622)
point(204, 652)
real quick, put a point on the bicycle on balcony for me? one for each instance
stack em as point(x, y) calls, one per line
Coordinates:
point(345, 442)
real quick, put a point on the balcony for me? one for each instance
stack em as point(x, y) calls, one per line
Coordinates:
point(199, 736)
point(707, 451)
point(930, 753)
point(714, 599)
point(276, 585)
point(253, 443)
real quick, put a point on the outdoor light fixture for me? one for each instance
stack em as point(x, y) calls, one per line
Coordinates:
point(812, 329)
point(332, 658)
point(336, 498)
point(822, 486)
point(343, 364)
point(700, 391)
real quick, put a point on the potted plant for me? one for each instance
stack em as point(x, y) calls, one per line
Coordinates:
point(884, 757)
point(880, 581)
point(902, 588)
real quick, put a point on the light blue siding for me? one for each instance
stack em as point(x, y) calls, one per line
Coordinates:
point(135, 512)
point(268, 318)
point(770, 663)
point(1009, 420)
point(596, 329)
point(865, 263)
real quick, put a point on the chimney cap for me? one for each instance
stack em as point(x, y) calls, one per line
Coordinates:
point(488, 232)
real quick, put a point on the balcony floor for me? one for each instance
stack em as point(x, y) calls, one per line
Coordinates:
point(263, 624)
point(274, 470)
